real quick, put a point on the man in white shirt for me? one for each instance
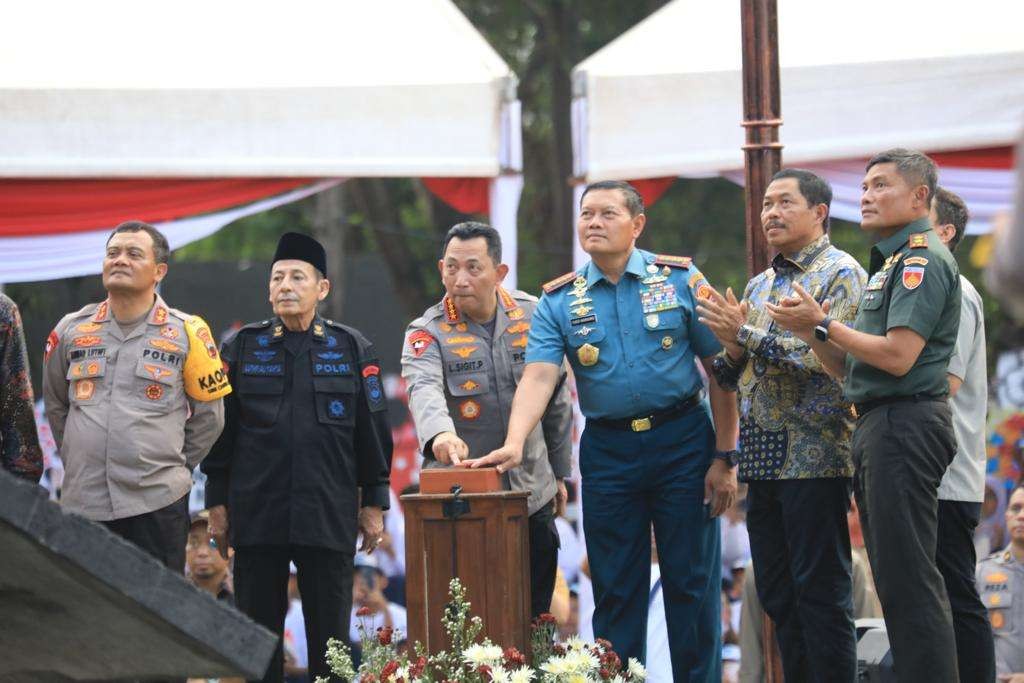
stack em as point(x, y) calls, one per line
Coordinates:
point(962, 490)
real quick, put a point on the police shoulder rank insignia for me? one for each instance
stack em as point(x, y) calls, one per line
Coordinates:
point(670, 260)
point(588, 354)
point(419, 341)
point(374, 389)
point(205, 379)
point(918, 240)
point(559, 282)
point(913, 276)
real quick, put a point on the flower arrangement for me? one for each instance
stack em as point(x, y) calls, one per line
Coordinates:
point(471, 660)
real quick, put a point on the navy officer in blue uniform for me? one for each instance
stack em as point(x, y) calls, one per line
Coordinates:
point(304, 461)
point(627, 322)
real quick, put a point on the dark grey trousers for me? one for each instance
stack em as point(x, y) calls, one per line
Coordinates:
point(901, 450)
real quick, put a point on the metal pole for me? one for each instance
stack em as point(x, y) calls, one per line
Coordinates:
point(762, 116)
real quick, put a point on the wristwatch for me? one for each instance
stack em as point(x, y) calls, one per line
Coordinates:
point(821, 330)
point(728, 456)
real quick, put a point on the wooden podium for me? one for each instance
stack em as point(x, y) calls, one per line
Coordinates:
point(481, 538)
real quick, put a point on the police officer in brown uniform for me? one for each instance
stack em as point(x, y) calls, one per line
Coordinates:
point(462, 361)
point(1000, 580)
point(133, 395)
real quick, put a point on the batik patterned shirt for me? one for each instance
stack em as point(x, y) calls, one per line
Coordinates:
point(794, 421)
point(20, 453)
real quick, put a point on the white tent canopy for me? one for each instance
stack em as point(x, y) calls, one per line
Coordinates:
point(665, 98)
point(305, 88)
point(194, 89)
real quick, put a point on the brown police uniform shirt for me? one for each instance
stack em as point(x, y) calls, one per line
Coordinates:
point(132, 414)
point(461, 378)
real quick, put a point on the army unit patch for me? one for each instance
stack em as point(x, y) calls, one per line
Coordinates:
point(913, 276)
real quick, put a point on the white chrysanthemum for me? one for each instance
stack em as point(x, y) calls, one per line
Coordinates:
point(524, 675)
point(556, 666)
point(485, 653)
point(499, 675)
point(637, 670)
point(581, 661)
point(577, 678)
point(616, 679)
point(402, 673)
point(575, 644)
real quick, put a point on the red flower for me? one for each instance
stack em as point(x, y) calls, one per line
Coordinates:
point(416, 669)
point(384, 634)
point(514, 658)
point(369, 678)
point(484, 671)
point(559, 649)
point(546, 618)
point(605, 674)
point(611, 660)
point(605, 644)
point(389, 670)
point(363, 612)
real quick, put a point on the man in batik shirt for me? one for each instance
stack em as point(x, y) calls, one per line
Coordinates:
point(19, 445)
point(795, 426)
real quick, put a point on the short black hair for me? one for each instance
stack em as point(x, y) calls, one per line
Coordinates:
point(951, 210)
point(161, 250)
point(634, 202)
point(815, 189)
point(471, 230)
point(917, 168)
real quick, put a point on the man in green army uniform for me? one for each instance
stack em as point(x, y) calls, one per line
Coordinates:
point(893, 361)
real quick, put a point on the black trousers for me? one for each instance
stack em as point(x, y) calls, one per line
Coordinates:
point(544, 546)
point(325, 583)
point(954, 555)
point(162, 533)
point(901, 450)
point(800, 545)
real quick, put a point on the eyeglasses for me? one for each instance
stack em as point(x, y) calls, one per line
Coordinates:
point(194, 543)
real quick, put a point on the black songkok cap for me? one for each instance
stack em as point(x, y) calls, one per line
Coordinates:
point(295, 245)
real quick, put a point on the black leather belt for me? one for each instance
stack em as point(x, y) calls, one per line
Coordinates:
point(863, 408)
point(643, 423)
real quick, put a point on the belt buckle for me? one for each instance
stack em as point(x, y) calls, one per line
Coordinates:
point(641, 425)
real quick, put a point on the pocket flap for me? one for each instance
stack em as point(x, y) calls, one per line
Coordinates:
point(89, 367)
point(663, 320)
point(156, 372)
point(467, 385)
point(247, 384)
point(334, 385)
